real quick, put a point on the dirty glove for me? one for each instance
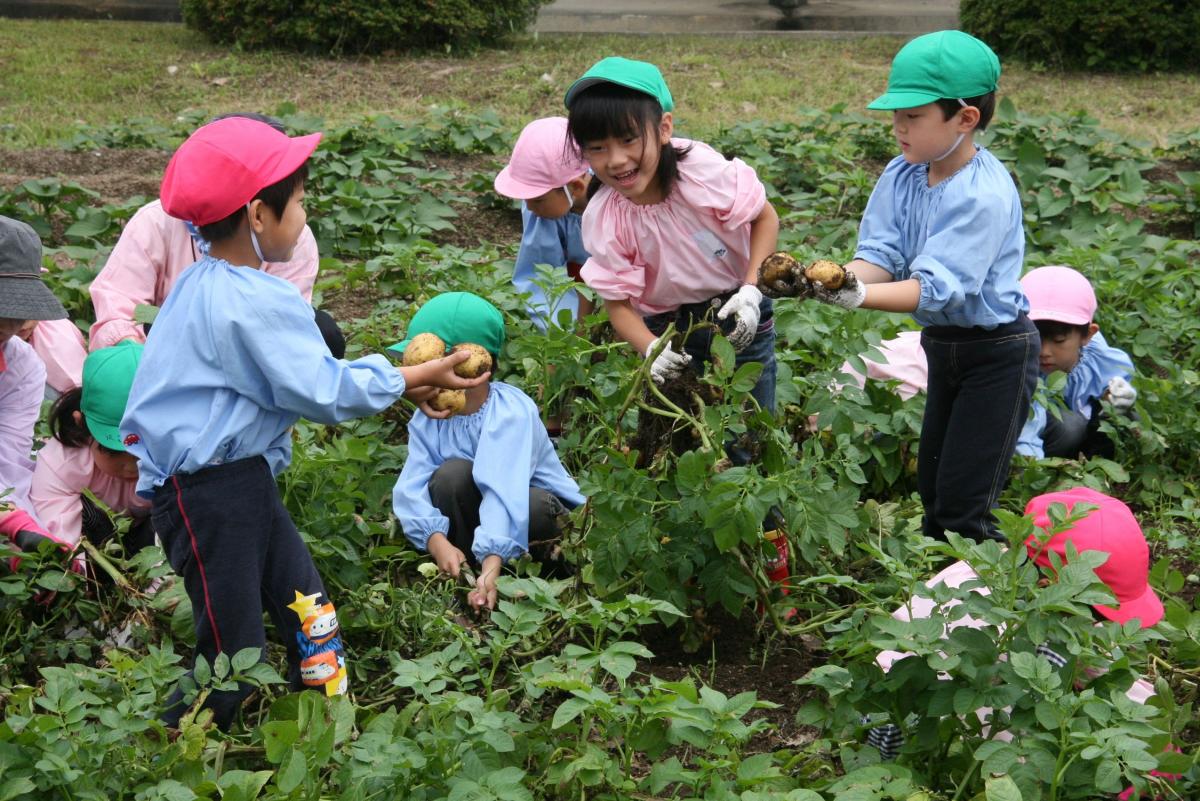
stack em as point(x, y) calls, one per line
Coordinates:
point(850, 295)
point(744, 306)
point(668, 365)
point(1121, 394)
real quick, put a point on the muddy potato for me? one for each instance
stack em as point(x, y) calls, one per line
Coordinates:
point(424, 348)
point(479, 363)
point(451, 400)
point(830, 274)
point(777, 267)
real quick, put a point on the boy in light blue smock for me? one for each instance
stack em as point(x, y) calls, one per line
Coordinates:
point(942, 238)
point(1062, 305)
point(234, 359)
point(551, 180)
point(486, 482)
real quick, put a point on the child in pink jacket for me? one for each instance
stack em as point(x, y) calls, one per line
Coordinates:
point(60, 346)
point(87, 453)
point(153, 250)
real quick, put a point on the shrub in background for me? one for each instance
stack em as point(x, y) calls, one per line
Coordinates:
point(1116, 35)
point(359, 26)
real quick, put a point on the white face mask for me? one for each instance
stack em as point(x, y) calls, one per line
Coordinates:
point(957, 141)
point(254, 239)
point(570, 199)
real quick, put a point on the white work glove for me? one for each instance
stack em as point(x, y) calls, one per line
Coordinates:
point(668, 364)
point(850, 295)
point(1121, 394)
point(744, 305)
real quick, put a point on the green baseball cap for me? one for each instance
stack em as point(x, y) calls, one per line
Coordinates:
point(107, 376)
point(945, 64)
point(458, 317)
point(641, 76)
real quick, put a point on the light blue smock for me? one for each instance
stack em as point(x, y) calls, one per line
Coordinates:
point(232, 361)
point(555, 243)
point(962, 239)
point(1098, 364)
point(510, 452)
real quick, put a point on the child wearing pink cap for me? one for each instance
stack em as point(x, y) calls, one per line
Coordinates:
point(1109, 527)
point(676, 233)
point(551, 180)
point(1062, 304)
point(153, 250)
point(233, 360)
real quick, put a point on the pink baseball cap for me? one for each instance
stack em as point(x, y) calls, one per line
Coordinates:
point(1111, 528)
point(224, 164)
point(1060, 294)
point(541, 161)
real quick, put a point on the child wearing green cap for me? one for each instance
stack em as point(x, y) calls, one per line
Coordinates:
point(676, 232)
point(942, 238)
point(484, 486)
point(86, 453)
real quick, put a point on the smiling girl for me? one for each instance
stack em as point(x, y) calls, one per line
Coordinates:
point(942, 238)
point(87, 453)
point(676, 232)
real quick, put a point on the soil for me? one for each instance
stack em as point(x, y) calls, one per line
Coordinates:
point(116, 174)
point(737, 660)
point(481, 220)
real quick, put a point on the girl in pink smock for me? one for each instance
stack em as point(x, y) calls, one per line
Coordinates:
point(87, 453)
point(59, 344)
point(676, 232)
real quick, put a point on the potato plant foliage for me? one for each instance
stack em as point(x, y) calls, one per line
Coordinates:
point(555, 696)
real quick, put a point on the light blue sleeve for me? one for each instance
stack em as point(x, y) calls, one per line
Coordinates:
point(419, 518)
point(274, 354)
point(1098, 364)
point(1029, 443)
point(544, 242)
point(880, 241)
point(503, 466)
point(965, 237)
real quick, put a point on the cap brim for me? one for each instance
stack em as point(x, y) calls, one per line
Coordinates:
point(28, 299)
point(1068, 317)
point(106, 435)
point(579, 86)
point(509, 186)
point(1147, 609)
point(399, 346)
point(890, 101)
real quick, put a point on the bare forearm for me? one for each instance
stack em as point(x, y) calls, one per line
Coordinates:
point(895, 296)
point(629, 324)
point(869, 273)
point(764, 240)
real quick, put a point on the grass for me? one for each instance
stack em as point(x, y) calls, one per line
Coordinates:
point(54, 74)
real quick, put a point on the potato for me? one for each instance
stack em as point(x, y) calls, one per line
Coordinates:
point(479, 363)
point(777, 267)
point(830, 274)
point(452, 400)
point(424, 348)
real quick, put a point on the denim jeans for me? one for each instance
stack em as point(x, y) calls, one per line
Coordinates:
point(980, 386)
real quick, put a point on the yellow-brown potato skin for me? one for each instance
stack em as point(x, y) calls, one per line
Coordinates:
point(830, 274)
point(424, 348)
point(777, 267)
point(479, 363)
point(452, 400)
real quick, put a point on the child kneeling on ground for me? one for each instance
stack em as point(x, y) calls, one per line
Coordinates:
point(487, 481)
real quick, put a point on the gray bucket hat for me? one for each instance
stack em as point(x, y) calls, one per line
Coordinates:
point(23, 296)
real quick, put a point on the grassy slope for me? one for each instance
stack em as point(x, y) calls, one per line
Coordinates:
point(54, 73)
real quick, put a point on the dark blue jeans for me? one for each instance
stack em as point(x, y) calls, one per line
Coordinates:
point(980, 387)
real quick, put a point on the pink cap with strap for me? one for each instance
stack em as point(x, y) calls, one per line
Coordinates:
point(1060, 294)
point(542, 160)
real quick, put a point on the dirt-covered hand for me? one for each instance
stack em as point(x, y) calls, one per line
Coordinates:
point(668, 364)
point(744, 307)
point(781, 276)
point(850, 295)
point(1121, 394)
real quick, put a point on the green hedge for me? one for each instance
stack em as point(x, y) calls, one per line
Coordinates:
point(359, 26)
point(1116, 35)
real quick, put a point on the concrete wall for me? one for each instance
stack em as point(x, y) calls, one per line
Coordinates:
point(156, 10)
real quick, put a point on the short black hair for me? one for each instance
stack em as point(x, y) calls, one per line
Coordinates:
point(608, 110)
point(275, 196)
point(252, 115)
point(985, 103)
point(1049, 329)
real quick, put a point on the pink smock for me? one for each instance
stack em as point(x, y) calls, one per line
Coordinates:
point(903, 361)
point(153, 250)
point(692, 246)
point(59, 344)
point(60, 477)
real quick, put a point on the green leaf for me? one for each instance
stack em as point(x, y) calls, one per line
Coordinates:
point(567, 711)
point(292, 773)
point(1002, 788)
point(278, 738)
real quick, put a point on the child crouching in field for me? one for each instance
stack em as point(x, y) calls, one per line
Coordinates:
point(487, 481)
point(233, 360)
point(551, 180)
point(1062, 305)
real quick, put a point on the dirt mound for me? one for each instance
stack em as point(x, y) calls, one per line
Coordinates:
point(116, 174)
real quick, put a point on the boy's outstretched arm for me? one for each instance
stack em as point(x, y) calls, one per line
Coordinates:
point(440, 373)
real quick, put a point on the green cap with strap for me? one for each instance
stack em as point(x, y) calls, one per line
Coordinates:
point(458, 317)
point(641, 76)
point(945, 64)
point(107, 376)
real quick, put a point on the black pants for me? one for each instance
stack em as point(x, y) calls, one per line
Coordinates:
point(453, 491)
point(980, 386)
point(227, 534)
